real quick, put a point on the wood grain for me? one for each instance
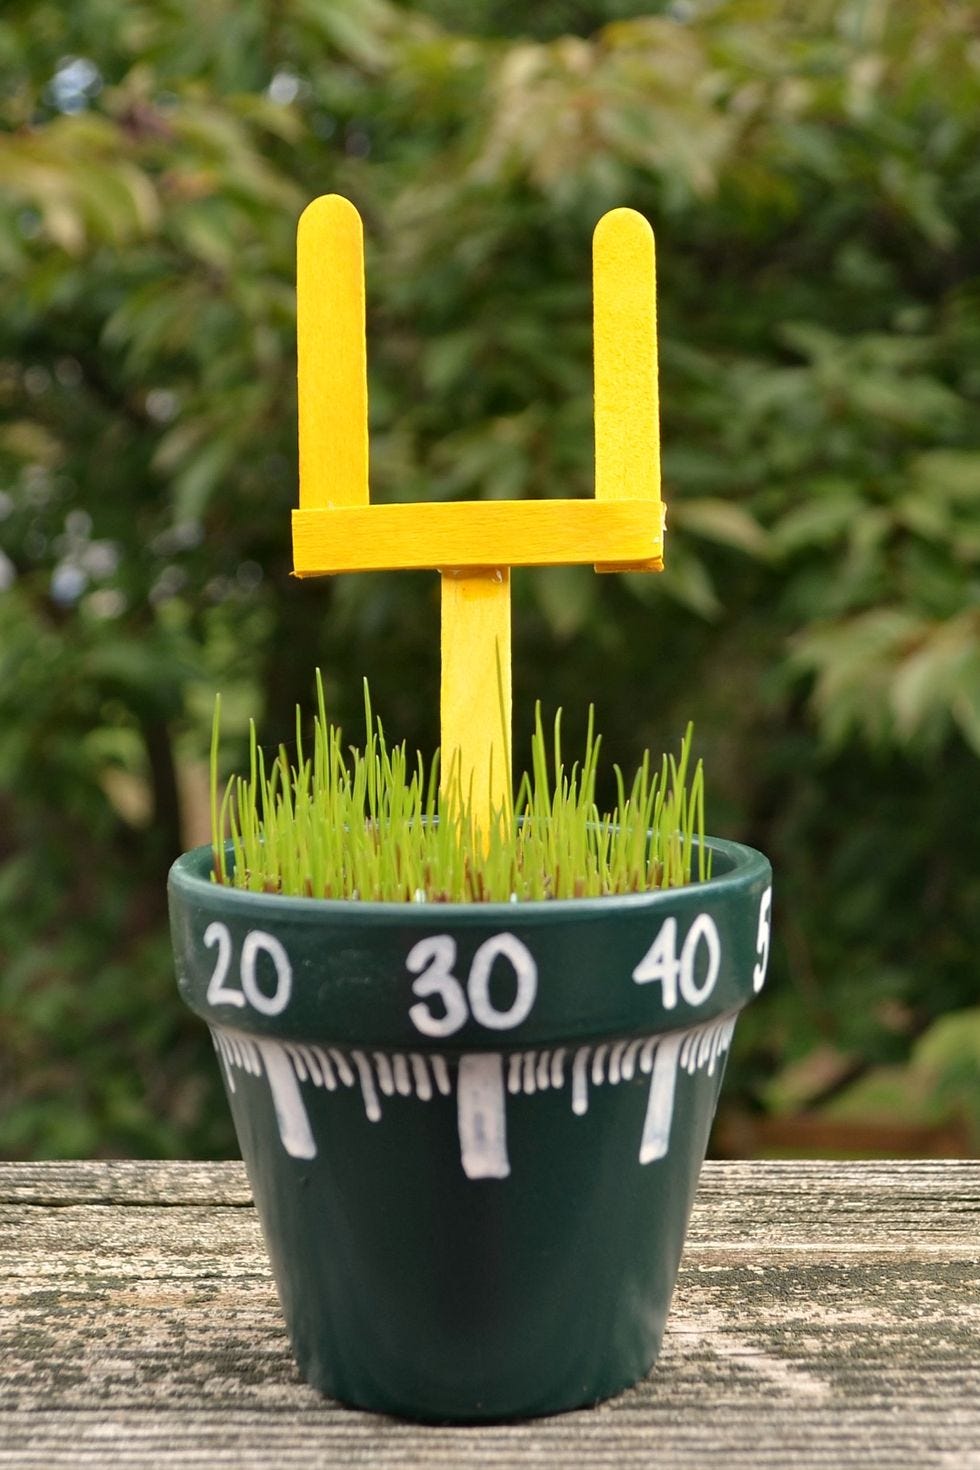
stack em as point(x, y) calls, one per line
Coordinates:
point(474, 534)
point(476, 696)
point(827, 1315)
point(332, 355)
point(627, 394)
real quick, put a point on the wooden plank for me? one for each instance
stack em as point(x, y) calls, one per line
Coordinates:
point(827, 1315)
point(474, 534)
point(125, 1182)
point(332, 355)
point(627, 404)
point(475, 696)
point(936, 1200)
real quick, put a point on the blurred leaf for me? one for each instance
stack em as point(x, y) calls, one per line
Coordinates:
point(687, 580)
point(197, 481)
point(722, 521)
point(818, 521)
point(949, 1056)
point(567, 596)
point(931, 676)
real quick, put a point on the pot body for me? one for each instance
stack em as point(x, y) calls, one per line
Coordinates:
point(474, 1132)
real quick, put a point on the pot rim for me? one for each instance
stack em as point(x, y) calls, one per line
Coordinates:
point(357, 959)
point(190, 876)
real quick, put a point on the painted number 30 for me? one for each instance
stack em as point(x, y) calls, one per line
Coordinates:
point(432, 960)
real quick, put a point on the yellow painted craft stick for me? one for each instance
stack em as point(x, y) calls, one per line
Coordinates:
point(332, 355)
point(473, 534)
point(475, 696)
point(627, 412)
point(473, 545)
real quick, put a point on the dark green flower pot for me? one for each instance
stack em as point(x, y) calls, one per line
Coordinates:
point(474, 1132)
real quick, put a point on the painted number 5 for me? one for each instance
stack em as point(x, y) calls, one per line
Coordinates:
point(762, 941)
point(432, 960)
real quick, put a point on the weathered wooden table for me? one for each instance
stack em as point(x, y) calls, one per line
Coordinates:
point(827, 1315)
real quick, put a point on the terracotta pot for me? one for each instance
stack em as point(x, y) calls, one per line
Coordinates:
point(474, 1132)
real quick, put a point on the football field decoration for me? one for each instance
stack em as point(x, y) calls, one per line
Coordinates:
point(473, 1129)
point(473, 545)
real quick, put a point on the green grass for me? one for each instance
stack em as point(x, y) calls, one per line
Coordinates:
point(372, 824)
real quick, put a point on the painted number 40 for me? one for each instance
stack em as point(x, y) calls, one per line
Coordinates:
point(692, 971)
point(679, 972)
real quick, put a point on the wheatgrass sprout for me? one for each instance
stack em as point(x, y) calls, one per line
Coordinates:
point(374, 823)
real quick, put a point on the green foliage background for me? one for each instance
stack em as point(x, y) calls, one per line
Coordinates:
point(812, 171)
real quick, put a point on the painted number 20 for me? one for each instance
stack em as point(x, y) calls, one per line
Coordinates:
point(432, 961)
point(256, 943)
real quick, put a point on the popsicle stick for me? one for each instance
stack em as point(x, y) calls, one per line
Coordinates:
point(468, 534)
point(627, 414)
point(332, 355)
point(474, 545)
point(475, 705)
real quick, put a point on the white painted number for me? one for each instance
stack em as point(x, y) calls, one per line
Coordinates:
point(762, 941)
point(525, 970)
point(675, 974)
point(661, 963)
point(432, 960)
point(218, 992)
point(256, 943)
point(704, 927)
